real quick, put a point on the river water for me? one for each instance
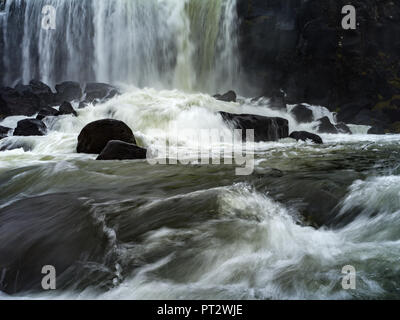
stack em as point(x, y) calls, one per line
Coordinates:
point(122, 230)
point(131, 230)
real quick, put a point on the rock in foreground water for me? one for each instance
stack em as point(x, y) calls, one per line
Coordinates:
point(302, 114)
point(119, 150)
point(265, 128)
point(304, 136)
point(46, 112)
point(230, 96)
point(30, 127)
point(95, 136)
point(4, 132)
point(66, 108)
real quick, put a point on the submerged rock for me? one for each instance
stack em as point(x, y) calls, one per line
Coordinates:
point(46, 112)
point(265, 128)
point(95, 136)
point(325, 126)
point(302, 114)
point(304, 136)
point(66, 108)
point(99, 91)
point(230, 96)
point(30, 127)
point(119, 150)
point(4, 132)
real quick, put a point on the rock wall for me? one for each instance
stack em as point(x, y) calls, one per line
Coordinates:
point(300, 46)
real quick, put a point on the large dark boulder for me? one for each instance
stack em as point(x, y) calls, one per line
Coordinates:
point(265, 128)
point(30, 127)
point(302, 114)
point(99, 92)
point(68, 91)
point(95, 136)
point(43, 91)
point(4, 132)
point(325, 126)
point(47, 112)
point(66, 108)
point(15, 102)
point(230, 96)
point(304, 136)
point(118, 150)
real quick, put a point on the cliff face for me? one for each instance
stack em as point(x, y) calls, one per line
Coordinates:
point(300, 46)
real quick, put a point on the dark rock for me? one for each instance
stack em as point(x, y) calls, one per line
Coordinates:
point(265, 128)
point(99, 92)
point(276, 100)
point(300, 47)
point(68, 91)
point(66, 108)
point(82, 104)
point(118, 150)
point(18, 102)
point(30, 127)
point(43, 91)
point(95, 136)
point(304, 136)
point(343, 128)
point(46, 112)
point(377, 130)
point(4, 132)
point(230, 96)
point(325, 126)
point(302, 114)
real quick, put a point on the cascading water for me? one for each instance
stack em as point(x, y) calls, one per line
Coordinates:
point(128, 229)
point(186, 44)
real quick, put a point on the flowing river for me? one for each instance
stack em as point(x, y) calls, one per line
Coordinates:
point(132, 230)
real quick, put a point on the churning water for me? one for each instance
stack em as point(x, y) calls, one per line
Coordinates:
point(122, 230)
point(132, 230)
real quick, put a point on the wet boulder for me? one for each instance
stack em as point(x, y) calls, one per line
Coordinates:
point(325, 126)
point(4, 132)
point(230, 96)
point(99, 92)
point(265, 128)
point(304, 136)
point(343, 128)
point(43, 91)
point(21, 102)
point(47, 112)
point(276, 100)
point(302, 114)
point(68, 91)
point(94, 137)
point(66, 108)
point(30, 127)
point(119, 150)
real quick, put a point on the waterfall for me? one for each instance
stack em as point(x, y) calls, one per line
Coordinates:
point(185, 44)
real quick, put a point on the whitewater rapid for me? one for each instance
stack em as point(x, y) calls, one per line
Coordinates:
point(199, 232)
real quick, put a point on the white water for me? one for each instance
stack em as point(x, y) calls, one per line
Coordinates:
point(271, 255)
point(146, 112)
point(158, 43)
